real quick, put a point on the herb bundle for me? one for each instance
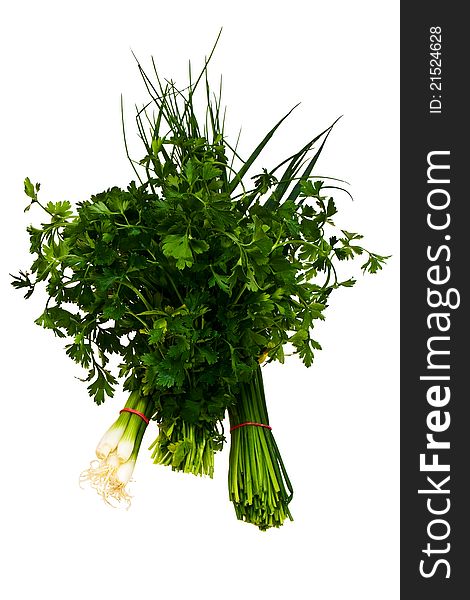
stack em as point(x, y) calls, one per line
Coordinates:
point(194, 276)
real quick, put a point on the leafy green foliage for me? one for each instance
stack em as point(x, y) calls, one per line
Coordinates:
point(177, 246)
point(186, 275)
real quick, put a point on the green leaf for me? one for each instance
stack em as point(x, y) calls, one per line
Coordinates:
point(114, 311)
point(331, 208)
point(348, 282)
point(157, 144)
point(209, 355)
point(198, 246)
point(190, 172)
point(351, 236)
point(102, 386)
point(173, 181)
point(22, 280)
point(100, 208)
point(306, 354)
point(298, 337)
point(296, 189)
point(29, 189)
point(256, 152)
point(374, 263)
point(165, 379)
point(177, 246)
point(222, 281)
point(105, 281)
point(209, 171)
point(290, 174)
point(158, 330)
point(307, 189)
point(62, 210)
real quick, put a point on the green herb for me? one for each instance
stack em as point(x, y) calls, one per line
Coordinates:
point(193, 275)
point(259, 486)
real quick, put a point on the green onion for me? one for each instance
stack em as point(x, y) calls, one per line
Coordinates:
point(117, 453)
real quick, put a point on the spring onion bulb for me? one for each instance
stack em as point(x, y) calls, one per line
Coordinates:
point(112, 437)
point(124, 472)
point(116, 453)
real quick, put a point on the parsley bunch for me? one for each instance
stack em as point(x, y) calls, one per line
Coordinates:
point(193, 275)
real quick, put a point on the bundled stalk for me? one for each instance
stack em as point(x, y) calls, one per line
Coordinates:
point(188, 275)
point(186, 447)
point(117, 452)
point(259, 486)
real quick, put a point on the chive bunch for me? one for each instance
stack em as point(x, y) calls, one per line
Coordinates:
point(259, 486)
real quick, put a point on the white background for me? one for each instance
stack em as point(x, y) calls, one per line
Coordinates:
point(64, 66)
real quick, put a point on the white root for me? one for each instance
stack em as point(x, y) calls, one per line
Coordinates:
point(109, 477)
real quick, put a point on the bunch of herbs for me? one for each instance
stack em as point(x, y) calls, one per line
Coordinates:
point(194, 275)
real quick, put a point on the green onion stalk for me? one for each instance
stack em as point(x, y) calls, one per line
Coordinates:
point(259, 486)
point(117, 452)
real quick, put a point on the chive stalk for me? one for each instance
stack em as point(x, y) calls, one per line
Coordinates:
point(259, 486)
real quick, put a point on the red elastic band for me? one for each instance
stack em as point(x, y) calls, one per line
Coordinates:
point(250, 423)
point(135, 412)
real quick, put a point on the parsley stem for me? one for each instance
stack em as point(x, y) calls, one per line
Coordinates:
point(167, 275)
point(239, 295)
point(136, 291)
point(137, 317)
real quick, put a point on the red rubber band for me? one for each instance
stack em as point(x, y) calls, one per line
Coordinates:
point(250, 423)
point(136, 412)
